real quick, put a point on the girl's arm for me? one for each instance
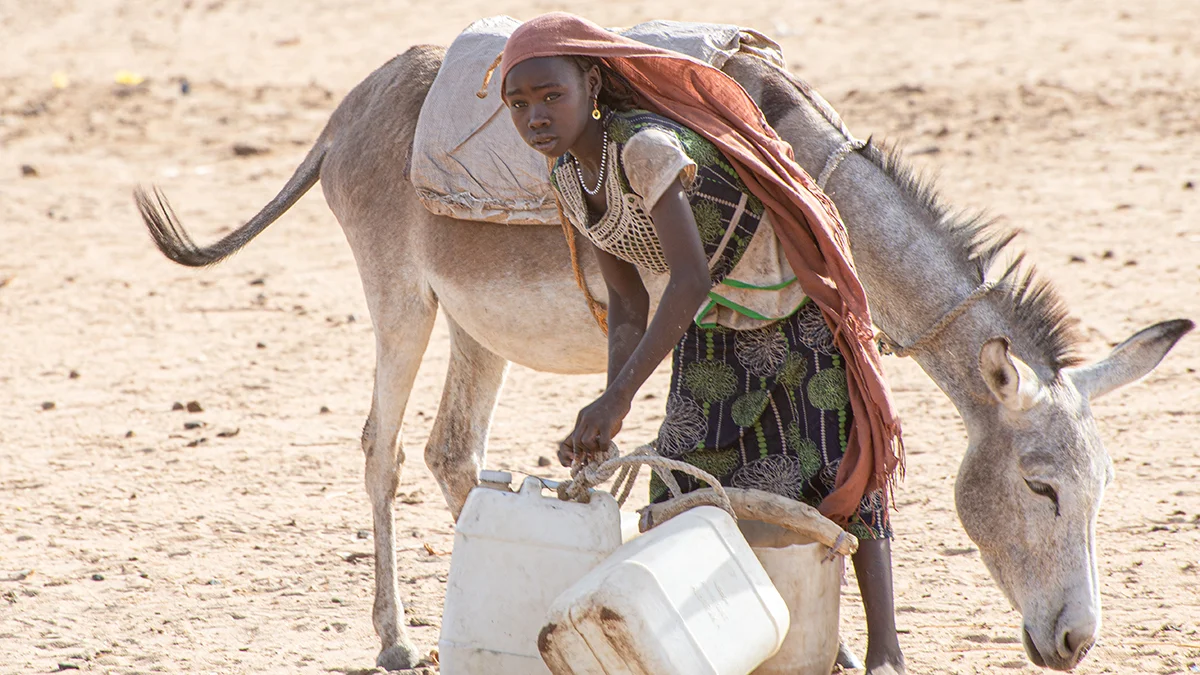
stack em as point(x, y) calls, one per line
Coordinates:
point(688, 286)
point(628, 311)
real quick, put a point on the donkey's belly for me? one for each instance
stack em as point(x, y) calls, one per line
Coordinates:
point(511, 288)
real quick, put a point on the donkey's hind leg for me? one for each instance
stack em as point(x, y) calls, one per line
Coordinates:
point(458, 442)
point(401, 335)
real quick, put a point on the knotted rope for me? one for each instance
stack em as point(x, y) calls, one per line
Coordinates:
point(587, 474)
point(738, 503)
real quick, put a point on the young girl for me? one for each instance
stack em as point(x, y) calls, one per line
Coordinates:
point(665, 164)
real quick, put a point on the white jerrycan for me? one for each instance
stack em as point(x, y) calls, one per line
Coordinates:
point(514, 552)
point(686, 598)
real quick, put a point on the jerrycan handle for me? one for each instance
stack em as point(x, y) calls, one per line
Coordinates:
point(532, 486)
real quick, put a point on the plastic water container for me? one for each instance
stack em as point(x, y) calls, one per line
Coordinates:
point(811, 587)
point(514, 552)
point(689, 597)
point(630, 525)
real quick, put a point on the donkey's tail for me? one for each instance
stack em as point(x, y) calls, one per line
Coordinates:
point(176, 244)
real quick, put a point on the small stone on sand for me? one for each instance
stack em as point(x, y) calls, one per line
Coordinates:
point(247, 150)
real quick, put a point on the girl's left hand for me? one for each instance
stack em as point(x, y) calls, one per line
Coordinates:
point(595, 427)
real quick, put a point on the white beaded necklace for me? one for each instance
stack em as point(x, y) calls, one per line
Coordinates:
point(603, 166)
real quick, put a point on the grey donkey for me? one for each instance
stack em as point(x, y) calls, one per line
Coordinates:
point(1035, 469)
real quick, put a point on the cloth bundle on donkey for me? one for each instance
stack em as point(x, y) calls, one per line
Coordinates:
point(467, 160)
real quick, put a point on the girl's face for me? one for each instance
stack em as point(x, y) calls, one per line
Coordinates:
point(551, 102)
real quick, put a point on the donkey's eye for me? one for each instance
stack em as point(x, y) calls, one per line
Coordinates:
point(1044, 490)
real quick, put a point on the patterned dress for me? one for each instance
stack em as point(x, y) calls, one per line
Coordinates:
point(758, 390)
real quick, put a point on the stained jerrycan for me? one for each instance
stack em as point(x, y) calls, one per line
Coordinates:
point(514, 552)
point(689, 597)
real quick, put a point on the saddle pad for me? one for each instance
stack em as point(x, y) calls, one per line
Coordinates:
point(468, 161)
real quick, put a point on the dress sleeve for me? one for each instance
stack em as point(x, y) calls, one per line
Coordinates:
point(653, 159)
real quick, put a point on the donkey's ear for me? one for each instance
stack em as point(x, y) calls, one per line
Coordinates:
point(1130, 360)
point(1011, 380)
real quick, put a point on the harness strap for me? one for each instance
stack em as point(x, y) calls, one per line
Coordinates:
point(599, 309)
point(888, 346)
point(835, 159)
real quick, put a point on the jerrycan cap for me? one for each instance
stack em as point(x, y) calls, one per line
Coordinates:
point(496, 480)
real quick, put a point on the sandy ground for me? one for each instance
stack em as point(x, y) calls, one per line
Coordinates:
point(131, 543)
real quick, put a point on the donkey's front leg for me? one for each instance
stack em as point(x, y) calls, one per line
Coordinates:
point(399, 347)
point(458, 442)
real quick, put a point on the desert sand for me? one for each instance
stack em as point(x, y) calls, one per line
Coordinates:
point(135, 538)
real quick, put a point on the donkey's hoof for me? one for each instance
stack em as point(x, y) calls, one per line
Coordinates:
point(847, 659)
point(398, 657)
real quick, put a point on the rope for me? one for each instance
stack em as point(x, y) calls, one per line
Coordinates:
point(835, 159)
point(487, 77)
point(598, 309)
point(588, 474)
point(627, 476)
point(840, 547)
point(888, 346)
point(818, 102)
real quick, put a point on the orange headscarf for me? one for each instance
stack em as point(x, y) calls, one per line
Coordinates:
point(807, 223)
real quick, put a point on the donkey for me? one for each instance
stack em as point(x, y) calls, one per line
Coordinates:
point(1031, 480)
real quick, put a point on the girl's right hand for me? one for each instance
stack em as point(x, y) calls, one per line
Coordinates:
point(595, 427)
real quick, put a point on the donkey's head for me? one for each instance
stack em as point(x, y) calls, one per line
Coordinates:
point(1030, 486)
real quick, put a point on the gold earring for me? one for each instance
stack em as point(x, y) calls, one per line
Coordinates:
point(595, 109)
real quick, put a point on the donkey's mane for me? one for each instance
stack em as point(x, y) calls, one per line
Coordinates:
point(1035, 308)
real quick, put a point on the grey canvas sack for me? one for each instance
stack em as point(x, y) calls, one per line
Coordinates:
point(468, 161)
